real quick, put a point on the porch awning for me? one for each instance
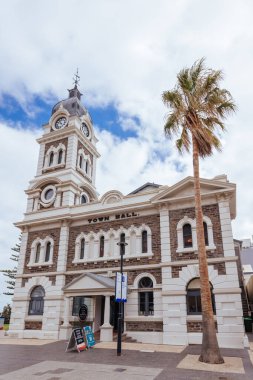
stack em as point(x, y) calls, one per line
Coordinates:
point(90, 284)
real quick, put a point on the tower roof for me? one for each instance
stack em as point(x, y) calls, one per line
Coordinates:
point(72, 104)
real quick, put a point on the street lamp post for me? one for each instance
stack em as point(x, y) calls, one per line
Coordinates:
point(122, 244)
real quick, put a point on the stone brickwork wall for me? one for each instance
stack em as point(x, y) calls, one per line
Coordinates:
point(81, 146)
point(88, 153)
point(55, 144)
point(212, 211)
point(175, 270)
point(132, 274)
point(52, 279)
point(33, 325)
point(196, 326)
point(70, 277)
point(220, 267)
point(55, 235)
point(150, 220)
point(24, 281)
point(144, 326)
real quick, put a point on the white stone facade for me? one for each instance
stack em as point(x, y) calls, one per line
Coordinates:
point(159, 264)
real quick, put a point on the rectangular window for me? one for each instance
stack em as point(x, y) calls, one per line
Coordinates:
point(146, 303)
point(78, 302)
point(36, 307)
point(194, 302)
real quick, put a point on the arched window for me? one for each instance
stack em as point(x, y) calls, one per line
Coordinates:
point(122, 240)
point(83, 199)
point(36, 304)
point(101, 246)
point(51, 159)
point(80, 162)
point(37, 253)
point(86, 167)
point(146, 296)
point(48, 250)
point(187, 235)
point(205, 233)
point(60, 153)
point(82, 247)
point(193, 297)
point(144, 242)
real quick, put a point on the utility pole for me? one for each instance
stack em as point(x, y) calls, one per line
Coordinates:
point(122, 245)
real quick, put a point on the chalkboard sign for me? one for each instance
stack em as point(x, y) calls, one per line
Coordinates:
point(76, 340)
point(83, 312)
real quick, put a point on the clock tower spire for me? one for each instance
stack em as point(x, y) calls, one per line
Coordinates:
point(66, 168)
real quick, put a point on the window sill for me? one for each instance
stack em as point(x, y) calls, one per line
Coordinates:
point(196, 317)
point(116, 259)
point(141, 318)
point(51, 168)
point(47, 264)
point(81, 171)
point(35, 318)
point(194, 249)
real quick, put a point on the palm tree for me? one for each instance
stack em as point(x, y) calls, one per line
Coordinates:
point(198, 107)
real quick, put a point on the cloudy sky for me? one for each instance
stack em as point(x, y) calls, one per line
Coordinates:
point(128, 53)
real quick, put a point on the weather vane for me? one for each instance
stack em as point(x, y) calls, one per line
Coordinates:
point(76, 78)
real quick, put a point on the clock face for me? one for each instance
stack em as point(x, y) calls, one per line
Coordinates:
point(85, 129)
point(60, 123)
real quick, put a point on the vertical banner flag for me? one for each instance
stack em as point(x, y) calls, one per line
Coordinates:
point(121, 287)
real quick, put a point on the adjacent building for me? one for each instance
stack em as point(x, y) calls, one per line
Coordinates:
point(69, 254)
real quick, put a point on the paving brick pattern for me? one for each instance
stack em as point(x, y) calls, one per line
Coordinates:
point(15, 358)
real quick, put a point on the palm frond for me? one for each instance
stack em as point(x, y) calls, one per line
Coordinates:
point(198, 108)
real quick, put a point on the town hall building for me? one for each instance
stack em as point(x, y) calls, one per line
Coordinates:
point(69, 254)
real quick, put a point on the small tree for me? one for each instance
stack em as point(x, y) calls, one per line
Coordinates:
point(11, 273)
point(6, 313)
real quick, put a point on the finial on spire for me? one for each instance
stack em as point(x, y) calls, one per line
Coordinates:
point(76, 78)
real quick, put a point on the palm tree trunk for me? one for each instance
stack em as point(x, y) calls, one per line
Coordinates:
point(210, 352)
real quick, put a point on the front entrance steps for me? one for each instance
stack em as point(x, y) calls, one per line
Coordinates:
point(125, 338)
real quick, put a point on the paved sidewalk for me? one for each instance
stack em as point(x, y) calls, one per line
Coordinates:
point(51, 362)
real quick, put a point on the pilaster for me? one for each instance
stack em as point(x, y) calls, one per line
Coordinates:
point(41, 159)
point(63, 252)
point(165, 234)
point(22, 254)
point(226, 227)
point(72, 152)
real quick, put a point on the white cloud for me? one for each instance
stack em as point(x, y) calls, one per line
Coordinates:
point(18, 157)
point(128, 53)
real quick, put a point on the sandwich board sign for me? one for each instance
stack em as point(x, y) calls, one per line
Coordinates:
point(121, 287)
point(90, 340)
point(76, 341)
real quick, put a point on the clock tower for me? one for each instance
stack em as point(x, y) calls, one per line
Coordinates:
point(66, 168)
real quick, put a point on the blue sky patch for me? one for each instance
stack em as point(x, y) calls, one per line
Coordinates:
point(38, 111)
point(108, 118)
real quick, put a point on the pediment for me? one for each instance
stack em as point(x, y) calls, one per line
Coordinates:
point(88, 282)
point(185, 189)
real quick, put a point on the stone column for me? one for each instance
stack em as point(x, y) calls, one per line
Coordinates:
point(106, 330)
point(66, 311)
point(65, 329)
